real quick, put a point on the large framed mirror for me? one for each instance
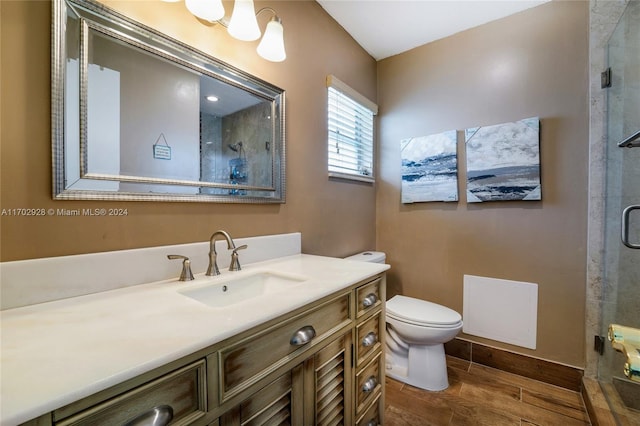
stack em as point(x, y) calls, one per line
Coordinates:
point(139, 116)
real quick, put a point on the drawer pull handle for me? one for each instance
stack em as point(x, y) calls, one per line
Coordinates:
point(370, 300)
point(157, 416)
point(369, 385)
point(370, 339)
point(303, 336)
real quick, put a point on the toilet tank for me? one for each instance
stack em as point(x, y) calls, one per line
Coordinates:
point(369, 256)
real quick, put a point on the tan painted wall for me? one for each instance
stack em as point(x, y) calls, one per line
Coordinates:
point(531, 64)
point(335, 218)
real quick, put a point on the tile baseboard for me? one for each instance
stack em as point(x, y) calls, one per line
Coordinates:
point(522, 365)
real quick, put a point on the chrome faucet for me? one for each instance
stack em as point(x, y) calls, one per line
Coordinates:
point(213, 255)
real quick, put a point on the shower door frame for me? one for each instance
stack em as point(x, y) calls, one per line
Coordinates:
point(604, 18)
point(622, 197)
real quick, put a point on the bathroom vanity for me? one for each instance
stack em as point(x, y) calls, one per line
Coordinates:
point(308, 349)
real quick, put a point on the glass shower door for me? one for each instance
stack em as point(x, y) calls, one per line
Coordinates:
point(621, 284)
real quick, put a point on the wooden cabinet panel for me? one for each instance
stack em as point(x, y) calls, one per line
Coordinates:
point(245, 362)
point(331, 375)
point(368, 339)
point(278, 403)
point(370, 335)
point(184, 391)
point(373, 415)
point(369, 297)
point(369, 382)
point(315, 392)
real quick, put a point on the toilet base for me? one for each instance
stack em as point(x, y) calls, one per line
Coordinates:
point(426, 367)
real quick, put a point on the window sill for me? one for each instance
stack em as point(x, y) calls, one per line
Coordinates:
point(346, 176)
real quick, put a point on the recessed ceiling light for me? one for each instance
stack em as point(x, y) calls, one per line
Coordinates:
point(212, 98)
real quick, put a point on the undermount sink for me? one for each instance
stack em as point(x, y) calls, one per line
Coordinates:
point(241, 289)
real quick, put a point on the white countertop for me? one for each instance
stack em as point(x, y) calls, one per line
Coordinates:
point(59, 352)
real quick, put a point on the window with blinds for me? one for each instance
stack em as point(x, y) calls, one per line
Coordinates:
point(350, 132)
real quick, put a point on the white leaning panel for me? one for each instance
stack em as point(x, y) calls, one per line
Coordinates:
point(502, 310)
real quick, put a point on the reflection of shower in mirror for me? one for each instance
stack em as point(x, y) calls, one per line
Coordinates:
point(238, 168)
point(238, 174)
point(237, 147)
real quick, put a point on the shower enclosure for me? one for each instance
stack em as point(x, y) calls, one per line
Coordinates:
point(621, 262)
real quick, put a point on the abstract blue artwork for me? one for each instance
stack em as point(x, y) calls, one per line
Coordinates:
point(503, 161)
point(429, 168)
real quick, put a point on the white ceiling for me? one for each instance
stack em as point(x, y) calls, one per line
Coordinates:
point(387, 27)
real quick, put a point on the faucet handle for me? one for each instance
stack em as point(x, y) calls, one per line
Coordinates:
point(186, 274)
point(235, 260)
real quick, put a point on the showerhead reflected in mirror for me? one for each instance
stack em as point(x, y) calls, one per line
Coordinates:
point(144, 117)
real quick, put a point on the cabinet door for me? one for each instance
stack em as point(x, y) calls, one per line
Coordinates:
point(278, 403)
point(328, 384)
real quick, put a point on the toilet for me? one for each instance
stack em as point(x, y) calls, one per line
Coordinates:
point(416, 333)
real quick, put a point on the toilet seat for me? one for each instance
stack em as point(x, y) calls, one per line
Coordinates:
point(422, 313)
point(426, 324)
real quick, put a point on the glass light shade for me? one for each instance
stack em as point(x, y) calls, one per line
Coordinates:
point(271, 46)
point(243, 24)
point(208, 10)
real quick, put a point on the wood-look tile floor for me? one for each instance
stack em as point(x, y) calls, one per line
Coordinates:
point(479, 395)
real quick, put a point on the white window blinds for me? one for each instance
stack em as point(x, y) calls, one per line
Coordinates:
point(350, 132)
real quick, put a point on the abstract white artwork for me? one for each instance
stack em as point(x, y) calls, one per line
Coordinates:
point(503, 161)
point(429, 168)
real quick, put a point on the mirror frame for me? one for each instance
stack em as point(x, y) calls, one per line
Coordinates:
point(96, 16)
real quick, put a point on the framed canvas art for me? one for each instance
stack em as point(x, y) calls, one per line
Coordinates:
point(503, 161)
point(429, 168)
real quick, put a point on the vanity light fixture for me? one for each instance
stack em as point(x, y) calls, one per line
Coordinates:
point(208, 10)
point(271, 46)
point(243, 24)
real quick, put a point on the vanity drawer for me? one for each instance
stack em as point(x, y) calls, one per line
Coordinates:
point(252, 358)
point(183, 390)
point(369, 383)
point(368, 339)
point(372, 415)
point(368, 297)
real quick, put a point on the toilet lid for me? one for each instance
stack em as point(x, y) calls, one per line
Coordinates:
point(419, 311)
